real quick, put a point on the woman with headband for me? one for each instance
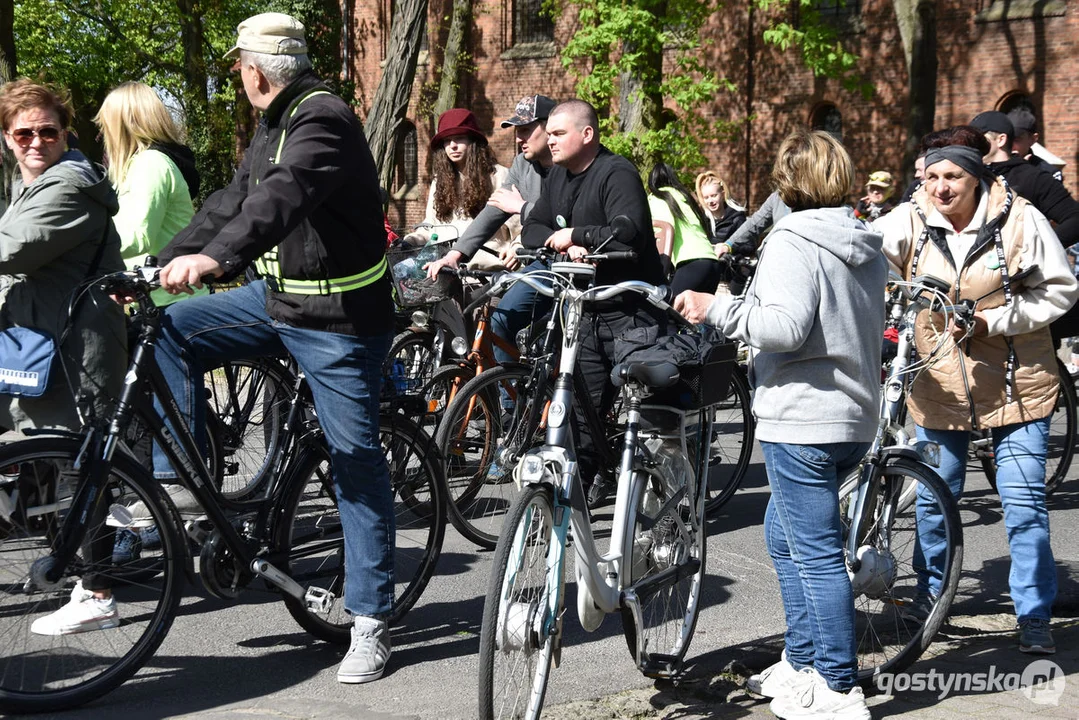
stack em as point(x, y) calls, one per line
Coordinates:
point(999, 374)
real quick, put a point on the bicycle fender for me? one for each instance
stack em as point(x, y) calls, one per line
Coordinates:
point(923, 451)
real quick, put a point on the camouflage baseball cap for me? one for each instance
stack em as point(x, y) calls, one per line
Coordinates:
point(530, 109)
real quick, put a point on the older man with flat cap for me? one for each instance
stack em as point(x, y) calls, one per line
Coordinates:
point(304, 209)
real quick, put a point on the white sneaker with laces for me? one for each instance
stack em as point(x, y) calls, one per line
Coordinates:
point(779, 679)
point(366, 658)
point(83, 613)
point(816, 701)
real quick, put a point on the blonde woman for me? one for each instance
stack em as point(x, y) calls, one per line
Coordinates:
point(724, 215)
point(153, 172)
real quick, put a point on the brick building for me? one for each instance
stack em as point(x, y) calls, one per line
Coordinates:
point(992, 54)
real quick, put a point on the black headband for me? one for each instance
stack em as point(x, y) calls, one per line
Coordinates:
point(965, 157)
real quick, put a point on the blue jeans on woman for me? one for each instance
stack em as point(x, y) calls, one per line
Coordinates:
point(344, 373)
point(804, 535)
point(519, 307)
point(1020, 451)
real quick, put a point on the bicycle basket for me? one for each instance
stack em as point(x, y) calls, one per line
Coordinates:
point(410, 280)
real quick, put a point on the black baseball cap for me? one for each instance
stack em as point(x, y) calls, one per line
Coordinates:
point(994, 121)
point(529, 110)
point(1023, 120)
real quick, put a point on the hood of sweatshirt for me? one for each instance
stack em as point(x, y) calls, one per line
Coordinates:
point(74, 168)
point(837, 231)
point(184, 159)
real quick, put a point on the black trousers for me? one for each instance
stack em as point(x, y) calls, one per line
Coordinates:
point(595, 360)
point(701, 275)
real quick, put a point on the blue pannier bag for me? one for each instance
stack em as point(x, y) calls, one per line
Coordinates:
point(26, 357)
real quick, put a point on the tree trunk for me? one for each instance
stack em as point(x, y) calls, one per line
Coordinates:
point(454, 57)
point(639, 110)
point(7, 74)
point(390, 104)
point(918, 29)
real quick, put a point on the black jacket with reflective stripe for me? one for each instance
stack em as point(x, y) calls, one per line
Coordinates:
point(317, 205)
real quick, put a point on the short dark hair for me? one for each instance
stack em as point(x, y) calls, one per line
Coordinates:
point(958, 135)
point(581, 111)
point(25, 94)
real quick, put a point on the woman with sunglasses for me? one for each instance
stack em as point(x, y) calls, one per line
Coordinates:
point(153, 172)
point(55, 235)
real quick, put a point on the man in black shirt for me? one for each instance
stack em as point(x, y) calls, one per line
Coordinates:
point(588, 188)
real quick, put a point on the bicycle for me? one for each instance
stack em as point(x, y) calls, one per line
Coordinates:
point(502, 412)
point(880, 515)
point(653, 569)
point(289, 537)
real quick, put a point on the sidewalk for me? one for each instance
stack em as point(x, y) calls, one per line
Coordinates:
point(982, 647)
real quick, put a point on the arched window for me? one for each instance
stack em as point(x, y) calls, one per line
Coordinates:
point(405, 162)
point(1014, 100)
point(827, 117)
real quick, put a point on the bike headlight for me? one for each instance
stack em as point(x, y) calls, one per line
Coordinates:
point(420, 319)
point(531, 469)
point(929, 452)
point(458, 346)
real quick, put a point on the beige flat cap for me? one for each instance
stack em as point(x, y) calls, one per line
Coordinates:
point(264, 34)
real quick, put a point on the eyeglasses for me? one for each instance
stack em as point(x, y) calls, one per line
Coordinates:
point(24, 137)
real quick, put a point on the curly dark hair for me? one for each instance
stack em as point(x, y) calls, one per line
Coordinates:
point(468, 190)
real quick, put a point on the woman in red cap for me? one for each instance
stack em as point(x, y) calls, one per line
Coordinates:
point(465, 173)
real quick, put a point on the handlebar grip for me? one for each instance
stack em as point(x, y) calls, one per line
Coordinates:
point(619, 255)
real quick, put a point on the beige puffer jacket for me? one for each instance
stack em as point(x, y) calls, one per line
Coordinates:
point(967, 387)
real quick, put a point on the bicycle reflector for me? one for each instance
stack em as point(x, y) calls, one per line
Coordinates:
point(929, 452)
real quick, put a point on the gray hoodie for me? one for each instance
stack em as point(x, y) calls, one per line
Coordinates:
point(814, 314)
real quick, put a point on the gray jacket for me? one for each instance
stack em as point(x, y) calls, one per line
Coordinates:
point(49, 237)
point(814, 313)
point(528, 177)
point(747, 238)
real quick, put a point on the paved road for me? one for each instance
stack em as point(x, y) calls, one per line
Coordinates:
point(250, 660)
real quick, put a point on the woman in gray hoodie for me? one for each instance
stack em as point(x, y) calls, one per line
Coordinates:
point(814, 317)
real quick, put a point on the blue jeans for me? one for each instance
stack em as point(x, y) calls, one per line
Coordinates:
point(519, 307)
point(804, 536)
point(344, 373)
point(1020, 451)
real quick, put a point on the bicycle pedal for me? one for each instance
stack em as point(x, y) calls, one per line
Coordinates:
point(198, 530)
point(661, 667)
point(318, 600)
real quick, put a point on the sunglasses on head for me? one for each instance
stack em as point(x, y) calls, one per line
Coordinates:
point(24, 137)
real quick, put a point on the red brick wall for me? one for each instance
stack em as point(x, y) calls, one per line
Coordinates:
point(979, 64)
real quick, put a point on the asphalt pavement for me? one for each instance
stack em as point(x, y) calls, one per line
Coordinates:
point(248, 660)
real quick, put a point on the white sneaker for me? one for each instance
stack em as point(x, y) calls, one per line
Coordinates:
point(136, 514)
point(817, 701)
point(366, 658)
point(779, 679)
point(82, 614)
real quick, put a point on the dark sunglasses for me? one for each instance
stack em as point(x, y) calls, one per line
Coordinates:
point(24, 137)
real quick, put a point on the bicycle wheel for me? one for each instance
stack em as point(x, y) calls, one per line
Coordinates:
point(310, 528)
point(247, 406)
point(667, 534)
point(442, 389)
point(40, 673)
point(1062, 438)
point(411, 363)
point(480, 446)
point(521, 621)
point(732, 443)
point(889, 633)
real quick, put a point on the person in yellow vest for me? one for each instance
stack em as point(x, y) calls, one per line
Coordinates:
point(998, 373)
point(304, 207)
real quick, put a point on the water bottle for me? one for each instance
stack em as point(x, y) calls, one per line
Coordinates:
point(397, 376)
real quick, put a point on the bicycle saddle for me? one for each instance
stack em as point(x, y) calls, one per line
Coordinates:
point(652, 373)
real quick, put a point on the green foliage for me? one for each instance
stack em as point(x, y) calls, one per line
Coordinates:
point(620, 39)
point(822, 50)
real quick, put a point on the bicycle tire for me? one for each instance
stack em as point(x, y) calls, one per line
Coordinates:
point(1062, 438)
point(479, 455)
point(886, 588)
point(83, 666)
point(668, 532)
point(442, 388)
point(413, 350)
point(517, 594)
point(733, 431)
point(247, 407)
point(309, 528)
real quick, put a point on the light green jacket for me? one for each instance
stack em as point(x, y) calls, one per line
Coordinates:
point(155, 204)
point(690, 240)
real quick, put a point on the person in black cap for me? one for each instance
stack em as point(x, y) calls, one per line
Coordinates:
point(1025, 143)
